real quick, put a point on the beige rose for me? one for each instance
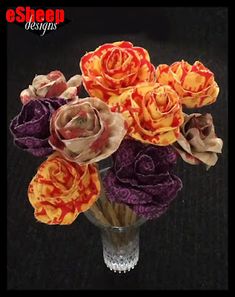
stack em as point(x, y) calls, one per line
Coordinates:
point(86, 131)
point(198, 142)
point(52, 85)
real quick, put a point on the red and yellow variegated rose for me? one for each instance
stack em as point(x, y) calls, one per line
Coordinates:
point(152, 111)
point(194, 84)
point(114, 67)
point(61, 190)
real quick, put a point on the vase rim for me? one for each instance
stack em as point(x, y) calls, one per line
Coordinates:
point(140, 221)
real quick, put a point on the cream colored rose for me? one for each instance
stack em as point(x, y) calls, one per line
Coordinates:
point(86, 131)
point(198, 142)
point(52, 85)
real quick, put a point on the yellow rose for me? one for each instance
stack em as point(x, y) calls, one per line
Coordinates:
point(194, 84)
point(152, 111)
point(61, 190)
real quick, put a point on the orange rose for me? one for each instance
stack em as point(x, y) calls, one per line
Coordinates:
point(114, 67)
point(194, 84)
point(61, 190)
point(152, 111)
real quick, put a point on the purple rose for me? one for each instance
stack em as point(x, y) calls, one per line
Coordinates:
point(30, 127)
point(141, 177)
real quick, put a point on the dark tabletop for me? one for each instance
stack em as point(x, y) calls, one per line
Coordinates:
point(187, 247)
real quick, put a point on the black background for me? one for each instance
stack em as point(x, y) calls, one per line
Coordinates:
point(187, 247)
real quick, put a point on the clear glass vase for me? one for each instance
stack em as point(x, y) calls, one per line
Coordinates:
point(120, 244)
point(120, 229)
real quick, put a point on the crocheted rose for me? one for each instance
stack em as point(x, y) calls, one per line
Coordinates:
point(52, 85)
point(114, 67)
point(195, 84)
point(86, 131)
point(61, 190)
point(198, 142)
point(31, 127)
point(153, 113)
point(142, 178)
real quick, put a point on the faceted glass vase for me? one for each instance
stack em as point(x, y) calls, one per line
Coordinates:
point(120, 229)
point(120, 244)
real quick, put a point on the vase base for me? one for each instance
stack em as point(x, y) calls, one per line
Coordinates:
point(119, 263)
point(121, 270)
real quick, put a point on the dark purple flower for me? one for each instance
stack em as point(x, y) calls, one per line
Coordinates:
point(141, 177)
point(30, 127)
